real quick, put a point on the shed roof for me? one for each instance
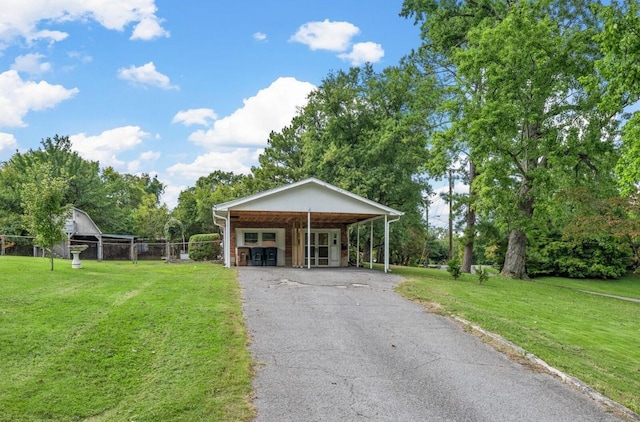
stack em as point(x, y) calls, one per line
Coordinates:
point(306, 195)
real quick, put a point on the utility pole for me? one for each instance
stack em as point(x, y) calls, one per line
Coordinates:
point(450, 214)
point(427, 202)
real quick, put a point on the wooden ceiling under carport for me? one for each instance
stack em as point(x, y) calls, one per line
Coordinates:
point(290, 217)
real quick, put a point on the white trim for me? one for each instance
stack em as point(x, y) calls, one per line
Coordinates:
point(386, 244)
point(358, 248)
point(371, 248)
point(280, 242)
point(227, 243)
point(237, 202)
point(309, 240)
point(223, 228)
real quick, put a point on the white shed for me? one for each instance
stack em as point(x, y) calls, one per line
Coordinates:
point(306, 223)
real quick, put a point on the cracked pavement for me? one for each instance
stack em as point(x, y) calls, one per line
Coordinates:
point(340, 345)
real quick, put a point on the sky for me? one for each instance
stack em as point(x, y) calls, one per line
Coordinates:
point(178, 89)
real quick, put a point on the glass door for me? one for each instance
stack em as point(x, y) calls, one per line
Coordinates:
point(322, 242)
point(319, 249)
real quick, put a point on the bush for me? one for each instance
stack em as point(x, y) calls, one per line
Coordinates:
point(453, 267)
point(483, 274)
point(589, 258)
point(204, 247)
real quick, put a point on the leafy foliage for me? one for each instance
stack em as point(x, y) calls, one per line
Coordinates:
point(45, 214)
point(173, 230)
point(454, 268)
point(483, 274)
point(514, 80)
point(204, 247)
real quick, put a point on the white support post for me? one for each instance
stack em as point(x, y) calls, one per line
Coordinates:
point(371, 248)
point(358, 248)
point(100, 249)
point(386, 243)
point(309, 239)
point(227, 241)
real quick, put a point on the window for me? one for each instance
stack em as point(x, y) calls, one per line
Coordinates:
point(268, 237)
point(250, 239)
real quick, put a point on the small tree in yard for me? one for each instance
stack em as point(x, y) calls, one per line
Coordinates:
point(454, 268)
point(173, 231)
point(44, 214)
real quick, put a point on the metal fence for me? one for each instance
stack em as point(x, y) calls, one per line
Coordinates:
point(149, 249)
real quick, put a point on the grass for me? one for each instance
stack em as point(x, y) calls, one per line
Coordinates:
point(593, 338)
point(121, 342)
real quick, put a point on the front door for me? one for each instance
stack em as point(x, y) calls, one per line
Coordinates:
point(322, 243)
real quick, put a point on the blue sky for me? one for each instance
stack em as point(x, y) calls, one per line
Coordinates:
point(178, 89)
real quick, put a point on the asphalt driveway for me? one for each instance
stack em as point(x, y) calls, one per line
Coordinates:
point(340, 345)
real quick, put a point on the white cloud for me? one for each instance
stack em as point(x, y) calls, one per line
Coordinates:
point(326, 35)
point(134, 166)
point(362, 53)
point(146, 75)
point(149, 156)
point(260, 36)
point(31, 63)
point(82, 57)
point(269, 110)
point(105, 146)
point(7, 142)
point(195, 116)
point(22, 19)
point(237, 161)
point(18, 97)
point(148, 29)
point(171, 194)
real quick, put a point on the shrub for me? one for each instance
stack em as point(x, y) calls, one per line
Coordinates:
point(587, 258)
point(204, 247)
point(483, 274)
point(453, 267)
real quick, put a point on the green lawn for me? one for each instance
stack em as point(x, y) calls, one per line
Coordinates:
point(116, 341)
point(627, 287)
point(593, 338)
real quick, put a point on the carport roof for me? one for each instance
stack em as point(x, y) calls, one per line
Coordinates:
point(291, 202)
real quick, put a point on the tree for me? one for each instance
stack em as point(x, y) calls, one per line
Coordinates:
point(444, 28)
point(173, 230)
point(195, 204)
point(82, 188)
point(532, 126)
point(283, 160)
point(45, 211)
point(355, 133)
point(149, 219)
point(619, 43)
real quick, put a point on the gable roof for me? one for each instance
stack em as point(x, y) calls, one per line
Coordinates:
point(307, 195)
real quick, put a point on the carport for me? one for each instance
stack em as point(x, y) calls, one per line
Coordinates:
point(306, 224)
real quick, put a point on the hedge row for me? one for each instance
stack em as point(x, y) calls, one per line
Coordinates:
point(204, 247)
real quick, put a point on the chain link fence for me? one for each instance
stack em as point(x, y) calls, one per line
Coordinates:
point(141, 249)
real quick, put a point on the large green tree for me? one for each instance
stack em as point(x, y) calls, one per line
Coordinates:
point(531, 125)
point(118, 203)
point(195, 203)
point(356, 132)
point(620, 81)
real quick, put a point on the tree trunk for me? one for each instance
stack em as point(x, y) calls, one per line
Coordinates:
point(514, 262)
point(470, 231)
point(515, 259)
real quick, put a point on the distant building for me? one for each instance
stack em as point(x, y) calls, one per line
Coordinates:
point(81, 230)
